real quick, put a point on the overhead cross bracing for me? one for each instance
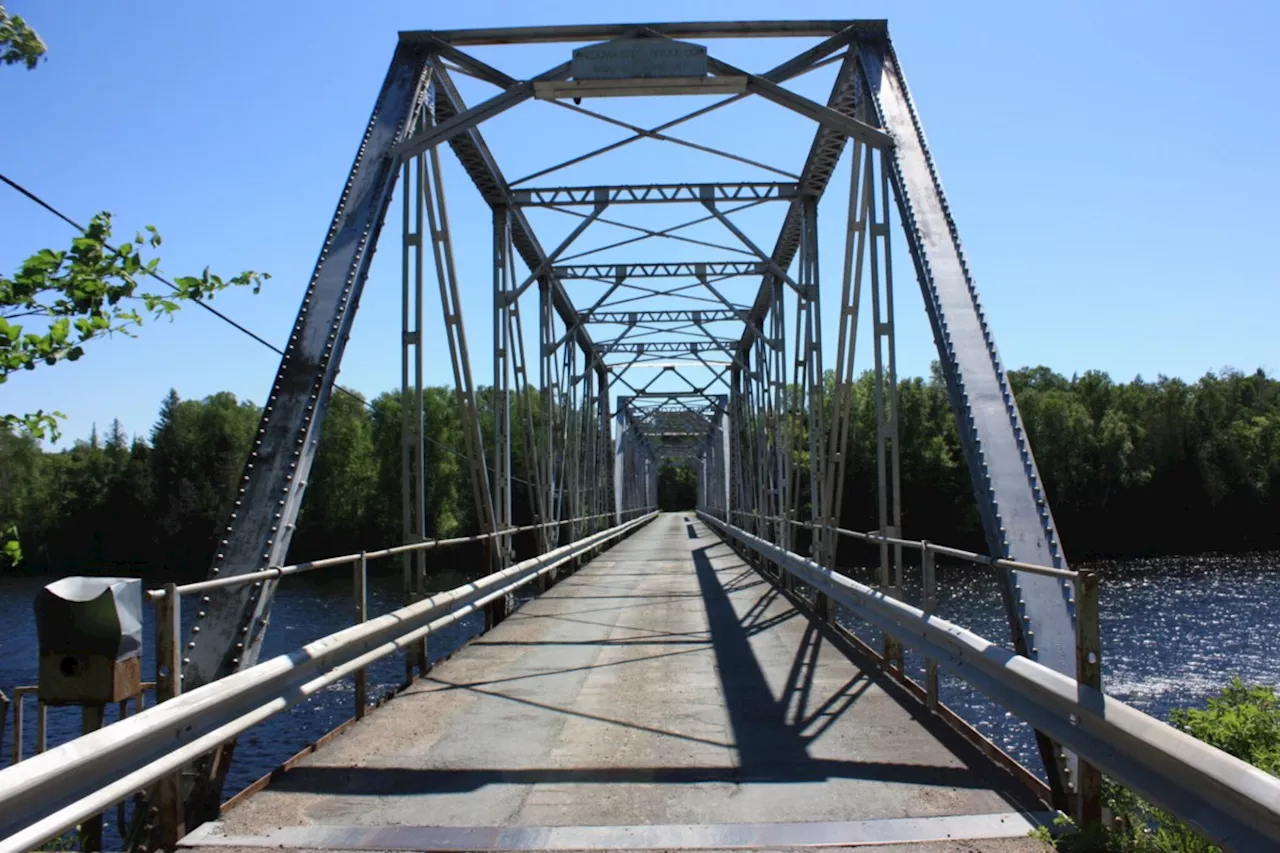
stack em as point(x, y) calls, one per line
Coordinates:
point(676, 269)
point(643, 193)
point(620, 284)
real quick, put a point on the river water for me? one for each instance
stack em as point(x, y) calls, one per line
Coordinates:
point(1173, 630)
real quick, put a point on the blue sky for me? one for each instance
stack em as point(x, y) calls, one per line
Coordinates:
point(1111, 168)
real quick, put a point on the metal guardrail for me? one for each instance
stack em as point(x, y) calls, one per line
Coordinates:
point(42, 715)
point(168, 599)
point(926, 545)
point(1226, 799)
point(351, 559)
point(49, 793)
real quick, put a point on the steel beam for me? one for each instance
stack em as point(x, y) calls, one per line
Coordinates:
point(824, 115)
point(226, 635)
point(824, 152)
point(480, 165)
point(631, 318)
point(1007, 487)
point(653, 193)
point(602, 32)
point(675, 269)
point(721, 84)
point(658, 347)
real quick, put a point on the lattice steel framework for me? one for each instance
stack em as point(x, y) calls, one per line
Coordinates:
point(699, 366)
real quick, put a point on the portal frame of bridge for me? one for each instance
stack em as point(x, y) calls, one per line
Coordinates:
point(766, 408)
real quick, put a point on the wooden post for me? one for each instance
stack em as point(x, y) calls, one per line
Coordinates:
point(930, 605)
point(4, 715)
point(17, 725)
point(42, 726)
point(1088, 674)
point(168, 640)
point(412, 651)
point(361, 578)
point(172, 825)
point(91, 718)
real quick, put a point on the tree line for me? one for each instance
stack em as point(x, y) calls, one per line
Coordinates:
point(1129, 468)
point(156, 503)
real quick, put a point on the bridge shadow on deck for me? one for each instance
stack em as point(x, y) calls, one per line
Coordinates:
point(771, 734)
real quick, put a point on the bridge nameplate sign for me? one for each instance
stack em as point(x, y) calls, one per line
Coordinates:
point(624, 59)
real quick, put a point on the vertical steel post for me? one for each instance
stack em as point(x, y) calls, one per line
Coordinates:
point(604, 454)
point(411, 258)
point(1089, 669)
point(930, 581)
point(17, 726)
point(501, 386)
point(890, 339)
point(91, 719)
point(168, 644)
point(886, 385)
point(170, 818)
point(588, 446)
point(451, 304)
point(546, 381)
point(761, 414)
point(782, 416)
point(524, 405)
point(419, 533)
point(495, 612)
point(413, 487)
point(847, 339)
point(360, 581)
point(809, 386)
point(42, 726)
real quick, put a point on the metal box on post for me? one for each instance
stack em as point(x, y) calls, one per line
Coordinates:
point(90, 633)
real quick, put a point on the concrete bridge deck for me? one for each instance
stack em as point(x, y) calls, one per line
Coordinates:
point(664, 696)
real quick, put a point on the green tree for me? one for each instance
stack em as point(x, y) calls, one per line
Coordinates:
point(336, 514)
point(19, 44)
point(60, 300)
point(199, 448)
point(677, 486)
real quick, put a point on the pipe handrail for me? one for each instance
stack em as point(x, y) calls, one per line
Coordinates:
point(350, 559)
point(45, 795)
point(1226, 799)
point(923, 544)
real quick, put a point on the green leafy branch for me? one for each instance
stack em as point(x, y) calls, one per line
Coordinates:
point(89, 291)
point(1240, 719)
point(18, 42)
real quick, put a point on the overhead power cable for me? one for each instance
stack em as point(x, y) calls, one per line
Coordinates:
point(214, 311)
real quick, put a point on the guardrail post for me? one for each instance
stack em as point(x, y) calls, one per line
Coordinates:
point(822, 603)
point(168, 639)
point(4, 715)
point(17, 726)
point(361, 579)
point(42, 726)
point(1089, 674)
point(169, 817)
point(91, 719)
point(929, 571)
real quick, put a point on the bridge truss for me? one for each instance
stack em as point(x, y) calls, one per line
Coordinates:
point(610, 359)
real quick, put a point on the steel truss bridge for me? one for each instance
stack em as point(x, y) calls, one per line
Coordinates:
point(699, 337)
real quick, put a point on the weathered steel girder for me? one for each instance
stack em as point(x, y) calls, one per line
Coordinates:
point(660, 347)
point(672, 269)
point(631, 318)
point(653, 194)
